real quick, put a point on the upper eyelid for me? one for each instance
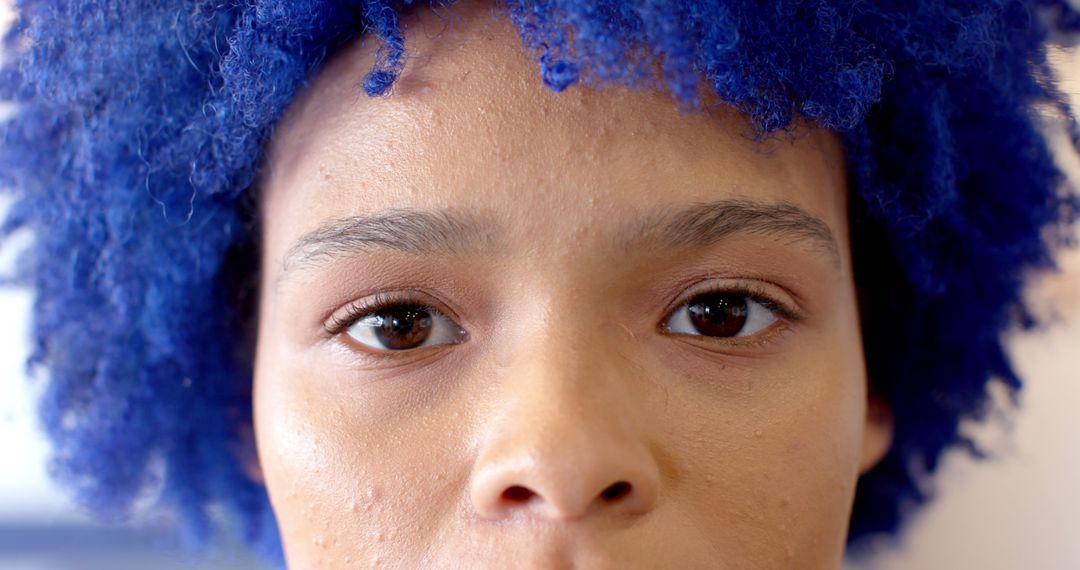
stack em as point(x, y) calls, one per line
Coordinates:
point(788, 310)
point(334, 324)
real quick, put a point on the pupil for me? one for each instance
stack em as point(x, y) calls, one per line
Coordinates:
point(718, 314)
point(403, 326)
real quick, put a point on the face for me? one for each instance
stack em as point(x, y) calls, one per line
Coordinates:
point(503, 327)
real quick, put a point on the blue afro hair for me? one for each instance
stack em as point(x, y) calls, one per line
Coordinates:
point(139, 127)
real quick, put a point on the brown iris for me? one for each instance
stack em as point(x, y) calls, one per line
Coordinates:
point(403, 326)
point(718, 314)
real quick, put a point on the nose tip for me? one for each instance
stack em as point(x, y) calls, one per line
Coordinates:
point(594, 488)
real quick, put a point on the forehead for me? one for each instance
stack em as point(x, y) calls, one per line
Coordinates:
point(470, 126)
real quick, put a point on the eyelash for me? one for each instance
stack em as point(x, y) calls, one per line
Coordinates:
point(785, 314)
point(350, 314)
point(750, 291)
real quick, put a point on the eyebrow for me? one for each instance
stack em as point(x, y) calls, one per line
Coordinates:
point(420, 232)
point(442, 232)
point(704, 223)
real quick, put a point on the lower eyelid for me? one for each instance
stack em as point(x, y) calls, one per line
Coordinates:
point(773, 334)
point(362, 358)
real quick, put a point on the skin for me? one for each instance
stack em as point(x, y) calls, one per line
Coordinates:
point(567, 427)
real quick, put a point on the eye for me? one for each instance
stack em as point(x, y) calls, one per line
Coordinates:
point(398, 326)
point(722, 314)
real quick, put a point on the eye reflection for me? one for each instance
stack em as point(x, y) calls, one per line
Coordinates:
point(721, 314)
point(404, 327)
point(387, 325)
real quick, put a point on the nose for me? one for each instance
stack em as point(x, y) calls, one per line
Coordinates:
point(564, 446)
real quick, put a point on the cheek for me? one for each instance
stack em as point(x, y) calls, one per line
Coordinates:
point(347, 487)
point(777, 465)
point(758, 460)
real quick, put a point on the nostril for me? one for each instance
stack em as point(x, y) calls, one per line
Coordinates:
point(616, 491)
point(517, 494)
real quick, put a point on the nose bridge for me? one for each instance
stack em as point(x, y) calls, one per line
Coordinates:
point(565, 439)
point(577, 394)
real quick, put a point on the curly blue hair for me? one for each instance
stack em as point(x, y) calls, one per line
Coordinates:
point(139, 127)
